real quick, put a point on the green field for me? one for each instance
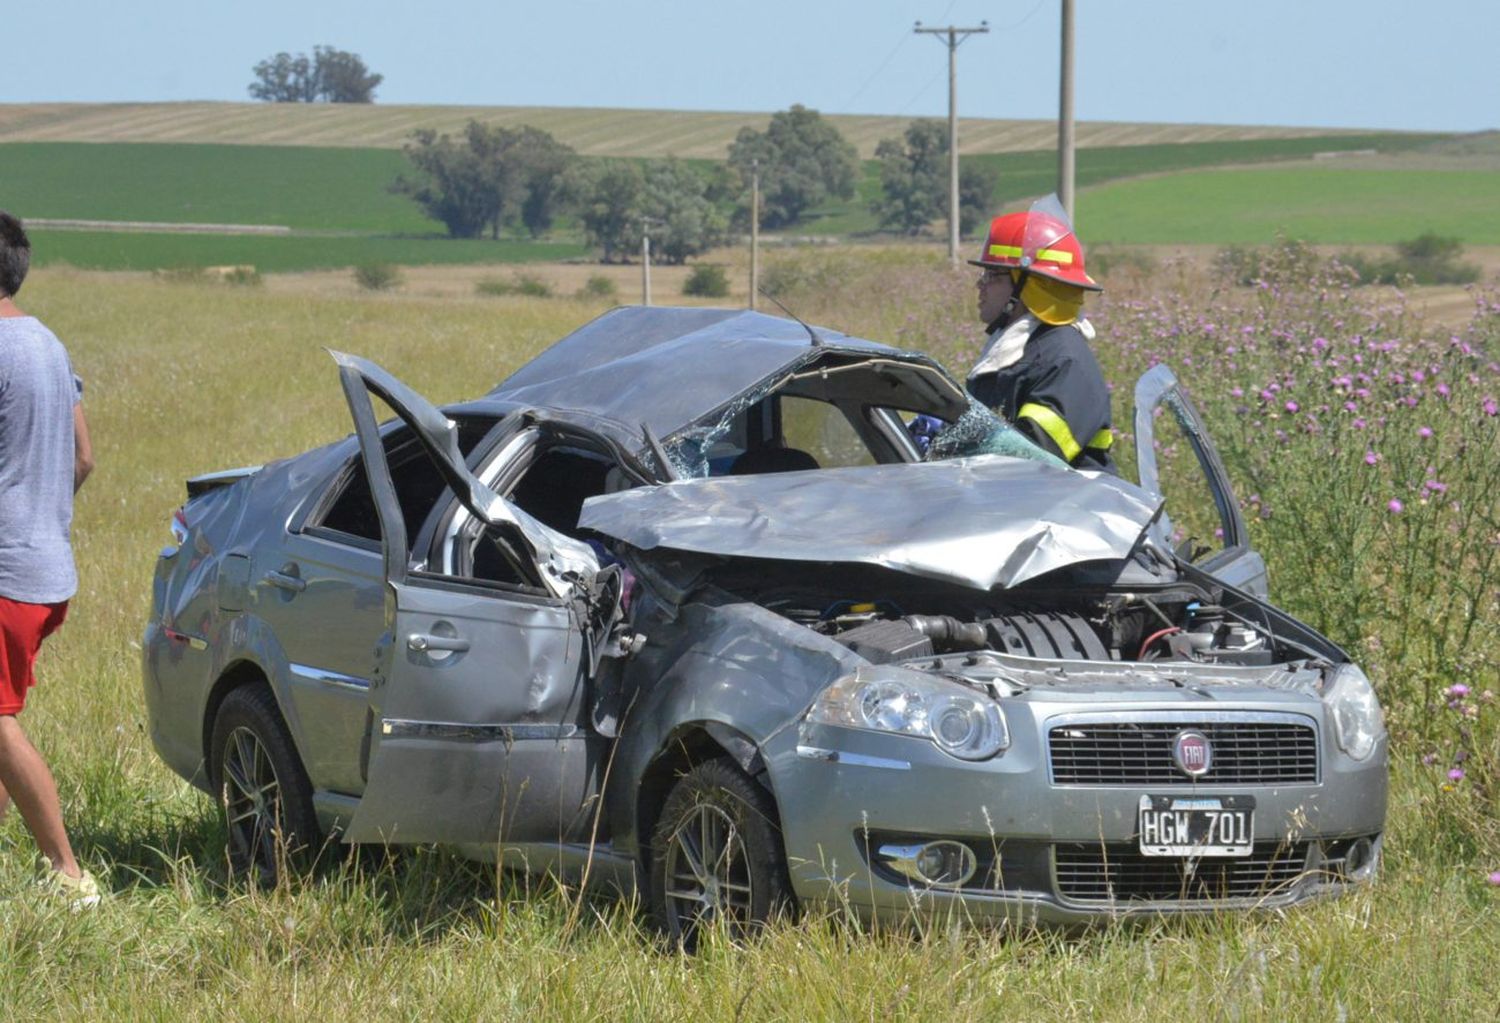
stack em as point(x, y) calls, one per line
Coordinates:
point(294, 186)
point(118, 250)
point(338, 203)
point(1320, 204)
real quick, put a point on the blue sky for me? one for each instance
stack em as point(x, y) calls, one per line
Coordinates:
point(1329, 63)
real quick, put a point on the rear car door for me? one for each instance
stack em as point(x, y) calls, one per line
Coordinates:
point(1176, 461)
point(478, 708)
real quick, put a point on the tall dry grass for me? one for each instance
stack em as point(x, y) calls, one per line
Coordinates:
point(185, 378)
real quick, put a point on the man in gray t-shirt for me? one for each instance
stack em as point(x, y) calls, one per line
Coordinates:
point(44, 456)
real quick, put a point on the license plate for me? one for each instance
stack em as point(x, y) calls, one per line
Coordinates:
point(1197, 825)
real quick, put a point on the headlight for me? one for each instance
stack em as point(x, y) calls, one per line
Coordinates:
point(1358, 722)
point(882, 698)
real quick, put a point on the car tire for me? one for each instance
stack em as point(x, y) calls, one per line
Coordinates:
point(262, 789)
point(741, 883)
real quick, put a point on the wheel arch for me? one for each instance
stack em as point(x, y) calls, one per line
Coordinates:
point(689, 744)
point(236, 675)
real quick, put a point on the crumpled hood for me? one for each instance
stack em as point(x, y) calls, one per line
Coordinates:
point(984, 521)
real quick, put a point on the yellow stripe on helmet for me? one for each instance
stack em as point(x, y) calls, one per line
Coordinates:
point(1016, 252)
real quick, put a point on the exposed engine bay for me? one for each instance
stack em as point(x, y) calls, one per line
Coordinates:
point(1182, 623)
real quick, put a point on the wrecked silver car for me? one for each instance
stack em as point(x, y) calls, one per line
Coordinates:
point(682, 605)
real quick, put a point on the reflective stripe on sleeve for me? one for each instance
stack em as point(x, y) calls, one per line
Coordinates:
point(1102, 441)
point(1054, 426)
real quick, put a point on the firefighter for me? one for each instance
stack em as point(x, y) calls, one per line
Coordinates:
point(1037, 369)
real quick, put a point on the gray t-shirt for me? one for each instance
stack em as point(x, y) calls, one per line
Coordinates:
point(37, 394)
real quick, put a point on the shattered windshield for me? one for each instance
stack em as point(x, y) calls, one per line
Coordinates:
point(981, 432)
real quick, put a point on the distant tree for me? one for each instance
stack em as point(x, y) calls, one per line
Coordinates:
point(342, 76)
point(913, 178)
point(328, 76)
point(685, 221)
point(542, 163)
point(914, 182)
point(803, 161)
point(616, 199)
point(606, 194)
point(488, 178)
point(976, 197)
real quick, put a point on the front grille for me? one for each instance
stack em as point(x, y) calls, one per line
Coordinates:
point(1129, 753)
point(1119, 873)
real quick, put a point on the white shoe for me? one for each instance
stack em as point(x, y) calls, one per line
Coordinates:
point(81, 892)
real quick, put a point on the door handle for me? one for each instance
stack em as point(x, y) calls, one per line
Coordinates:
point(422, 642)
point(285, 581)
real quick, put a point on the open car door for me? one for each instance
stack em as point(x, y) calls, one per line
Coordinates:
point(1177, 462)
point(478, 706)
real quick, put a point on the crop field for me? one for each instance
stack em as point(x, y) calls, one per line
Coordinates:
point(1314, 202)
point(1363, 444)
point(591, 131)
point(337, 202)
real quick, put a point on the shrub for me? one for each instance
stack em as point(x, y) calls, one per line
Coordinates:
point(1425, 259)
point(598, 286)
point(376, 276)
point(517, 284)
point(533, 287)
point(707, 280)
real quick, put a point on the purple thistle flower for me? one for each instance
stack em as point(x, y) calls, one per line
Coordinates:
point(1429, 759)
point(1424, 432)
point(1495, 877)
point(1292, 406)
point(1457, 774)
point(1491, 408)
point(1358, 424)
point(1433, 486)
point(1458, 689)
point(1394, 506)
point(1371, 458)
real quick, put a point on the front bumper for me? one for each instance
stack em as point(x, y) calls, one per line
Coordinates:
point(1048, 853)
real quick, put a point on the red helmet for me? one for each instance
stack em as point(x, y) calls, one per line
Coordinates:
point(1039, 243)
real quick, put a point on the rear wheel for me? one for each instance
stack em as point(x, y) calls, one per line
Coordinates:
point(717, 855)
point(262, 787)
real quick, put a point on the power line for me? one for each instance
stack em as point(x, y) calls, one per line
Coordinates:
point(849, 105)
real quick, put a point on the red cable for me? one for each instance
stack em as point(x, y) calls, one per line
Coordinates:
point(1153, 638)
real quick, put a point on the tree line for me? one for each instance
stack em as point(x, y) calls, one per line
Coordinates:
point(488, 180)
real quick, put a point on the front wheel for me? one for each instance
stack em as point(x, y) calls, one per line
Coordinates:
point(717, 855)
point(262, 787)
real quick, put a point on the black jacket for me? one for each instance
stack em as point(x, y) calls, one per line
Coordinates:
point(1055, 394)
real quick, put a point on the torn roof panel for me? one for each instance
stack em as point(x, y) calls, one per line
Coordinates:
point(667, 368)
point(984, 521)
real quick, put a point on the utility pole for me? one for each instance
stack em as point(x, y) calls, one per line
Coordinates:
point(1065, 114)
point(645, 261)
point(955, 36)
point(754, 231)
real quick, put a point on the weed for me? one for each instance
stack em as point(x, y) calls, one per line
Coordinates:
point(377, 276)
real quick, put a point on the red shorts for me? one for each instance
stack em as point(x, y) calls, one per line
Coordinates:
point(22, 629)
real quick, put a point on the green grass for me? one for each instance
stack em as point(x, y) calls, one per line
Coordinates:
point(187, 378)
point(295, 186)
point(107, 250)
point(1321, 204)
